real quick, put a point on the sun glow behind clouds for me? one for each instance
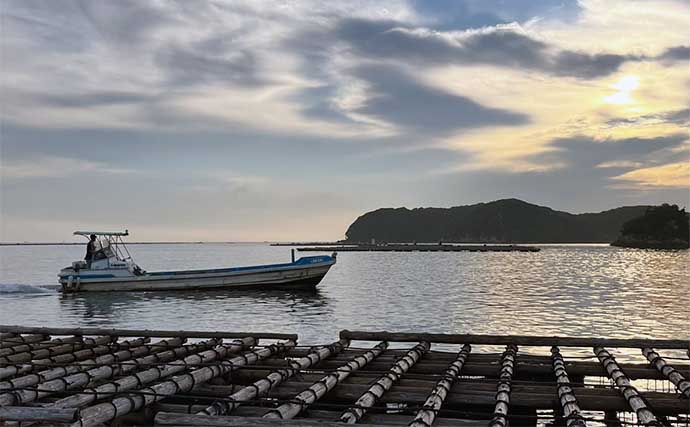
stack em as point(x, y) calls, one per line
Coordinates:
point(625, 86)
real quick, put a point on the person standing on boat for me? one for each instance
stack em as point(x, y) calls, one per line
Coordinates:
point(90, 249)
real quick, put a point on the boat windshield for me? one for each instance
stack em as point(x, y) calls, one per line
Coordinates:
point(104, 250)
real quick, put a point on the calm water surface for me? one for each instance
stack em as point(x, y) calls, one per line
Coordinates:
point(563, 290)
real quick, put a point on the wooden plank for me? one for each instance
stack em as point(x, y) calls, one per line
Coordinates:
point(520, 340)
point(143, 332)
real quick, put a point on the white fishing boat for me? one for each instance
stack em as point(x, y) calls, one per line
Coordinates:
point(111, 268)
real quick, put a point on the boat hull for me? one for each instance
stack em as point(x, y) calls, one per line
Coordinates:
point(298, 275)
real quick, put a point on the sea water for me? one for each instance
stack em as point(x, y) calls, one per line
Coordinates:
point(574, 290)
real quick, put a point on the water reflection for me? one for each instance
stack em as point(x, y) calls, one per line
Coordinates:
point(119, 308)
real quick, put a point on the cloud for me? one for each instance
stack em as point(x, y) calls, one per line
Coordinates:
point(583, 152)
point(624, 164)
point(502, 45)
point(673, 175)
point(676, 117)
point(462, 14)
point(56, 167)
point(208, 61)
point(90, 99)
point(678, 53)
point(397, 98)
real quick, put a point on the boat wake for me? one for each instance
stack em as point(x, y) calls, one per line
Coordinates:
point(19, 288)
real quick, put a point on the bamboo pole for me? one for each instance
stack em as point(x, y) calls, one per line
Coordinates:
point(630, 393)
point(468, 392)
point(500, 418)
point(143, 332)
point(518, 340)
point(369, 398)
point(43, 364)
point(91, 352)
point(668, 371)
point(324, 385)
point(119, 406)
point(566, 395)
point(425, 417)
point(179, 420)
point(275, 378)
point(25, 413)
point(22, 340)
point(22, 349)
point(81, 378)
point(47, 375)
point(42, 353)
point(141, 378)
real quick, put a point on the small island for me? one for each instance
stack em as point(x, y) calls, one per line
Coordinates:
point(661, 227)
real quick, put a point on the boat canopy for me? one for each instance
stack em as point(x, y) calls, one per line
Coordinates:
point(102, 233)
point(109, 244)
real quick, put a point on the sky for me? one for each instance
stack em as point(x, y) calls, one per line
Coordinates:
point(286, 120)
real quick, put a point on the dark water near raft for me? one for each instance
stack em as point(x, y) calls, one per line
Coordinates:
point(577, 290)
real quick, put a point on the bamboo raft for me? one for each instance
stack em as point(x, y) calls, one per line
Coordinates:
point(414, 247)
point(92, 377)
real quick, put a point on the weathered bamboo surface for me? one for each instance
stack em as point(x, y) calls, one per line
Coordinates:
point(275, 378)
point(566, 394)
point(516, 340)
point(427, 415)
point(317, 390)
point(222, 378)
point(505, 378)
point(635, 400)
point(44, 331)
point(682, 384)
point(383, 384)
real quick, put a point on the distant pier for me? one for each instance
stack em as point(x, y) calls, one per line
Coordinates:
point(421, 248)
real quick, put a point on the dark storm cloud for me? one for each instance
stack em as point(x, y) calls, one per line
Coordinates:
point(397, 98)
point(497, 46)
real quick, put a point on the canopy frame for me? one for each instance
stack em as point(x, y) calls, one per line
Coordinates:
point(113, 240)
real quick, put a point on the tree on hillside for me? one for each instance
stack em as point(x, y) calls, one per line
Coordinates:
point(665, 223)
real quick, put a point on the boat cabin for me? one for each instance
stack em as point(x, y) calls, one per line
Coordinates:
point(110, 253)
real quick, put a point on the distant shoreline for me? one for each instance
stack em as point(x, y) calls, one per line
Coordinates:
point(286, 244)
